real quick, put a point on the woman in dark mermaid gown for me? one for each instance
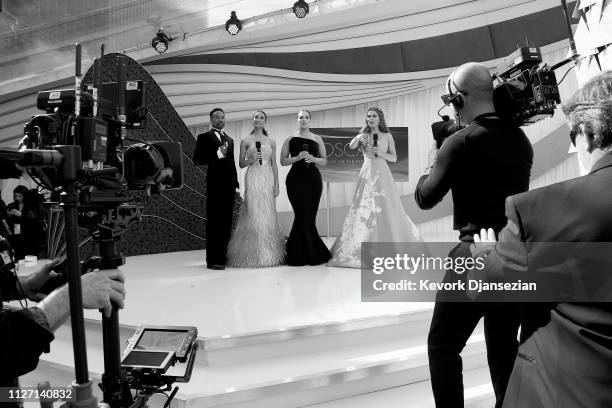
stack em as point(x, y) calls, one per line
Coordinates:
point(304, 187)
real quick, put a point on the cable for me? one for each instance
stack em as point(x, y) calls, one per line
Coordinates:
point(21, 290)
point(443, 106)
point(194, 190)
point(139, 141)
point(566, 72)
point(184, 209)
point(176, 225)
point(172, 140)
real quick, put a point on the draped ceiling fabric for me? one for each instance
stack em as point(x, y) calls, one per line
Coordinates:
point(393, 54)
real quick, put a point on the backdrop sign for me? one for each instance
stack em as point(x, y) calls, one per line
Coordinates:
point(344, 163)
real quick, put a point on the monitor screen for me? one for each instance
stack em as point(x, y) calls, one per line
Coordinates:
point(145, 358)
point(152, 339)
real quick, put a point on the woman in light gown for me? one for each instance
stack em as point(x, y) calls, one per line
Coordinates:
point(376, 214)
point(257, 240)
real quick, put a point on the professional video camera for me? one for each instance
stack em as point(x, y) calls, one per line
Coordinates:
point(79, 148)
point(97, 131)
point(525, 93)
point(443, 129)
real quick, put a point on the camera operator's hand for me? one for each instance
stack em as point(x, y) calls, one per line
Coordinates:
point(33, 283)
point(483, 243)
point(102, 289)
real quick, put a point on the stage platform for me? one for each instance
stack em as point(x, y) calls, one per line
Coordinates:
point(177, 289)
point(275, 337)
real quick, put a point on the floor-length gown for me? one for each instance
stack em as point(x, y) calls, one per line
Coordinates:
point(257, 240)
point(304, 188)
point(375, 215)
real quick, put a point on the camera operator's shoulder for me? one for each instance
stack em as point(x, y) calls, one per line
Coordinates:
point(458, 139)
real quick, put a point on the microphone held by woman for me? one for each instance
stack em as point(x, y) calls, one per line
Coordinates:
point(305, 148)
point(258, 147)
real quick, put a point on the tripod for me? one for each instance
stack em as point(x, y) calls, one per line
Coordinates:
point(115, 220)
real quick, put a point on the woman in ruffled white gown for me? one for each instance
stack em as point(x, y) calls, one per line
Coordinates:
point(257, 240)
point(377, 213)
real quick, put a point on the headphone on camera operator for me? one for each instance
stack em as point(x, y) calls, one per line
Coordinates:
point(457, 99)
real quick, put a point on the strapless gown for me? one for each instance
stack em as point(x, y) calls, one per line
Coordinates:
point(304, 188)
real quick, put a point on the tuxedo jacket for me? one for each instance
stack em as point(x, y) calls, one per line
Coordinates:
point(565, 355)
point(221, 172)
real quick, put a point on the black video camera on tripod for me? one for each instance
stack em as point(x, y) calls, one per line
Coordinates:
point(78, 148)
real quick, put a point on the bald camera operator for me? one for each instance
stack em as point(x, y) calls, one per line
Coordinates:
point(27, 332)
point(479, 192)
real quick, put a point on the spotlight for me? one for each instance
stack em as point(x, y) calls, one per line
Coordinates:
point(300, 8)
point(233, 25)
point(160, 42)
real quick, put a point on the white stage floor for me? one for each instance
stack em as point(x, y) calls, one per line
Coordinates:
point(177, 289)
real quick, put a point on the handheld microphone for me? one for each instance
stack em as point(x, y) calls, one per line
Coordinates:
point(258, 147)
point(375, 137)
point(305, 148)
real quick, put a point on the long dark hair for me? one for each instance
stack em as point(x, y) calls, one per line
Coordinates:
point(25, 193)
point(382, 125)
point(29, 202)
point(265, 132)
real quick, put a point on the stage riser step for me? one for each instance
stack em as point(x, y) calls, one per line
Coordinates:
point(298, 393)
point(477, 388)
point(375, 351)
point(311, 344)
point(330, 388)
point(415, 395)
point(244, 349)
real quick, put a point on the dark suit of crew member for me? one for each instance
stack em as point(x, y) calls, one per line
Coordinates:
point(478, 199)
point(559, 236)
point(216, 150)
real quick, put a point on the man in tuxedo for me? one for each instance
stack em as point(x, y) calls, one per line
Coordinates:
point(478, 199)
point(215, 149)
point(555, 235)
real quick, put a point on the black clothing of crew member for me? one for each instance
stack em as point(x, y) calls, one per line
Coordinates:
point(481, 164)
point(221, 184)
point(24, 336)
